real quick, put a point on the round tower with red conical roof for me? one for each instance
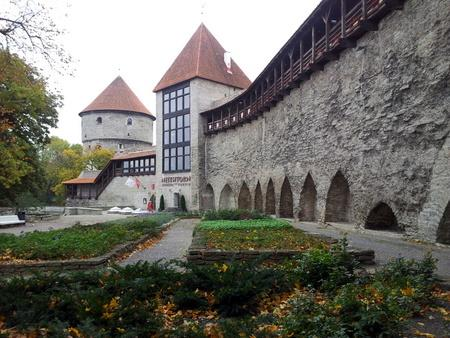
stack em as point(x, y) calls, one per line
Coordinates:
point(117, 119)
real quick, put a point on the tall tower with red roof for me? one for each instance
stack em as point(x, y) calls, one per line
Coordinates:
point(202, 75)
point(117, 119)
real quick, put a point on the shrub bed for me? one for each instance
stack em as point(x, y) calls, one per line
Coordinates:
point(316, 295)
point(78, 241)
point(233, 215)
point(250, 224)
point(254, 234)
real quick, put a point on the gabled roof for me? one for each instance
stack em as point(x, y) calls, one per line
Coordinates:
point(203, 57)
point(117, 96)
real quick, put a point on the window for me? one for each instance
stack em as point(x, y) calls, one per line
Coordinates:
point(99, 120)
point(120, 146)
point(176, 129)
point(129, 121)
point(140, 166)
point(176, 100)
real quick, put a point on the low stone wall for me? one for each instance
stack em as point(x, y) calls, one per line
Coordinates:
point(199, 254)
point(76, 264)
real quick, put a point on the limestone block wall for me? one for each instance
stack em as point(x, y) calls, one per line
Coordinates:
point(379, 116)
point(203, 95)
point(119, 194)
point(114, 130)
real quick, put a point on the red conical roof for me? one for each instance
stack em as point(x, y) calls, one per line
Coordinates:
point(117, 96)
point(203, 57)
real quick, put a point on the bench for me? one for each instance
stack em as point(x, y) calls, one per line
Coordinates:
point(9, 220)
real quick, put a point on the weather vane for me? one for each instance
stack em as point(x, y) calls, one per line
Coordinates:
point(202, 10)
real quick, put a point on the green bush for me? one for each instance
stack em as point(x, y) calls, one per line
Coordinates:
point(234, 215)
point(325, 269)
point(131, 301)
point(101, 301)
point(188, 299)
point(161, 203)
point(310, 319)
point(236, 287)
point(183, 203)
point(244, 224)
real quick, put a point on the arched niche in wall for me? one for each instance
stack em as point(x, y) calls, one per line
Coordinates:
point(338, 200)
point(270, 198)
point(308, 201)
point(443, 232)
point(226, 200)
point(208, 198)
point(258, 198)
point(245, 198)
point(286, 200)
point(381, 217)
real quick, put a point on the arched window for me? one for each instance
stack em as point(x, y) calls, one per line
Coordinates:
point(129, 121)
point(99, 120)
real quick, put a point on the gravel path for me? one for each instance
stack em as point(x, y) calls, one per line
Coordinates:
point(65, 221)
point(387, 245)
point(173, 246)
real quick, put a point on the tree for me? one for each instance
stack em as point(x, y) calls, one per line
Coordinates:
point(61, 161)
point(98, 158)
point(28, 29)
point(27, 112)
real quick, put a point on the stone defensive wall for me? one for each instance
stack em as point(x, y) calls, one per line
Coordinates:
point(365, 140)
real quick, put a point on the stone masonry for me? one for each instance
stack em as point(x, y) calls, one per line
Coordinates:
point(379, 115)
point(114, 130)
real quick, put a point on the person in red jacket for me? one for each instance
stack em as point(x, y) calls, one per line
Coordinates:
point(150, 206)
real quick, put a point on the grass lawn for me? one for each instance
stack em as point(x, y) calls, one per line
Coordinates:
point(78, 241)
point(271, 234)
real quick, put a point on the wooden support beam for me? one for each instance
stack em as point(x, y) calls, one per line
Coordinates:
point(326, 21)
point(313, 44)
point(301, 56)
point(291, 65)
point(343, 14)
point(274, 80)
point(364, 9)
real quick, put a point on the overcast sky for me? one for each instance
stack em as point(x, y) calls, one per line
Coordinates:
point(139, 39)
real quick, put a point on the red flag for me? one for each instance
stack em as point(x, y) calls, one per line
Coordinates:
point(137, 182)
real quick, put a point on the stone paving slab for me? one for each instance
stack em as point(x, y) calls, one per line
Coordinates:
point(387, 245)
point(174, 245)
